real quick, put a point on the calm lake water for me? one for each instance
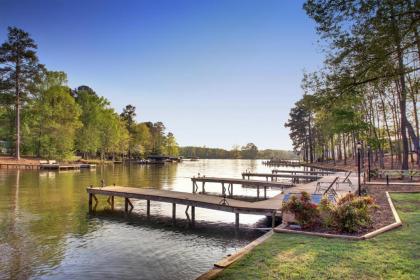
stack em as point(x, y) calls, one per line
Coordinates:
point(47, 233)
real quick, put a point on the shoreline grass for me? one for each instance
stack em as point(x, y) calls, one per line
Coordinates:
point(392, 255)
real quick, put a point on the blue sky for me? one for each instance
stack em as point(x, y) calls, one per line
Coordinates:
point(217, 73)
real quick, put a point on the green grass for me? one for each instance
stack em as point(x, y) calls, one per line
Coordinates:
point(392, 255)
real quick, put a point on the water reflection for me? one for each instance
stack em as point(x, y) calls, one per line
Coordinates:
point(46, 232)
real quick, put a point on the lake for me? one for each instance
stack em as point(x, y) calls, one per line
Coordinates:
point(46, 231)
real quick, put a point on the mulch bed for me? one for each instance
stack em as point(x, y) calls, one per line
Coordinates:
point(383, 215)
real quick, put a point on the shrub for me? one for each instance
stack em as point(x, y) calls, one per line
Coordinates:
point(326, 213)
point(353, 213)
point(306, 213)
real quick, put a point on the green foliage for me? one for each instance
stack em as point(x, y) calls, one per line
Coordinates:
point(172, 148)
point(306, 213)
point(88, 139)
point(142, 140)
point(53, 119)
point(249, 151)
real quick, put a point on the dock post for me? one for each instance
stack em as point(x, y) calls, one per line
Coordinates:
point(258, 192)
point(112, 202)
point(148, 208)
point(193, 216)
point(173, 213)
point(236, 221)
point(90, 202)
point(126, 204)
point(265, 192)
point(203, 190)
point(273, 219)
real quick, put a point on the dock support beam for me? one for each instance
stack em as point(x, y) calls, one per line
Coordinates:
point(126, 203)
point(193, 216)
point(90, 202)
point(236, 221)
point(173, 213)
point(148, 209)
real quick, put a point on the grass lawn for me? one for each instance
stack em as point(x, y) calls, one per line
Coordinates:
point(392, 255)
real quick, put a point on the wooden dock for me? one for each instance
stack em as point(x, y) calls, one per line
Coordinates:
point(19, 166)
point(233, 181)
point(60, 166)
point(67, 166)
point(283, 163)
point(294, 177)
point(270, 207)
point(276, 171)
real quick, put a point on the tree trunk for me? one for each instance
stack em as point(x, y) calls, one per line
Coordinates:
point(387, 129)
point(17, 106)
point(311, 155)
point(403, 94)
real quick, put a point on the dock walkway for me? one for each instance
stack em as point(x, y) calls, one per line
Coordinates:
point(234, 181)
point(276, 171)
point(294, 177)
point(270, 207)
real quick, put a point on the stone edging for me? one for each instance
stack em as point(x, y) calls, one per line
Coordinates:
point(397, 223)
point(224, 263)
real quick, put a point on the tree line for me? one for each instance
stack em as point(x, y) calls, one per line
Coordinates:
point(249, 151)
point(367, 90)
point(43, 117)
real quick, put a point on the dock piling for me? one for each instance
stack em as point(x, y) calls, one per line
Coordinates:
point(173, 213)
point(273, 219)
point(236, 221)
point(148, 208)
point(90, 202)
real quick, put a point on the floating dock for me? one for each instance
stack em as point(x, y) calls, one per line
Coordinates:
point(233, 181)
point(270, 207)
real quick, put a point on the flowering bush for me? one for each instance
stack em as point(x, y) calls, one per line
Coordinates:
point(306, 213)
